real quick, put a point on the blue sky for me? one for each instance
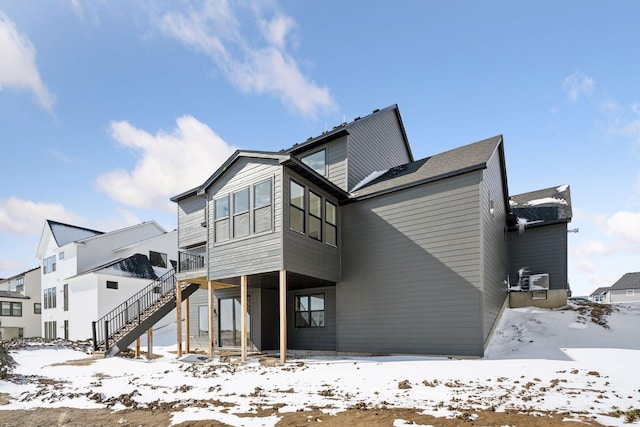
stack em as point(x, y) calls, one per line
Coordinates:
point(107, 109)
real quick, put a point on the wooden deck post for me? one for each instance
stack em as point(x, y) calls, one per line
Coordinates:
point(243, 319)
point(137, 354)
point(150, 344)
point(283, 316)
point(210, 301)
point(186, 324)
point(179, 318)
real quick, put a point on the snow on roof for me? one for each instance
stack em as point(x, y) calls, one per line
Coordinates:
point(372, 176)
point(546, 200)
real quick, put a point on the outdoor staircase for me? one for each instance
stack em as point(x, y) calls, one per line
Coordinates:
point(124, 324)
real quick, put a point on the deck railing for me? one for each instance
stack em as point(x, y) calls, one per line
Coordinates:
point(192, 259)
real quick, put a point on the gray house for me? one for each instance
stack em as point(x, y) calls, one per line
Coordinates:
point(345, 243)
point(625, 289)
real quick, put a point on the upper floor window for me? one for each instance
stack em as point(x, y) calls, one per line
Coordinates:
point(221, 207)
point(20, 284)
point(49, 298)
point(315, 216)
point(112, 284)
point(296, 207)
point(61, 255)
point(241, 213)
point(317, 161)
point(13, 309)
point(158, 259)
point(262, 201)
point(49, 264)
point(330, 226)
point(37, 308)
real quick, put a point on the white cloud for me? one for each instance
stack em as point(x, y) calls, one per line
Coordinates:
point(19, 216)
point(576, 85)
point(623, 225)
point(257, 64)
point(168, 163)
point(17, 63)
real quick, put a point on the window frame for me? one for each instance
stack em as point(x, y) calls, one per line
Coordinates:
point(65, 300)
point(49, 298)
point(298, 209)
point(37, 308)
point(322, 150)
point(308, 322)
point(50, 330)
point(20, 284)
point(331, 225)
point(630, 292)
point(154, 256)
point(256, 209)
point(316, 218)
point(238, 214)
point(222, 219)
point(14, 309)
point(49, 264)
point(112, 284)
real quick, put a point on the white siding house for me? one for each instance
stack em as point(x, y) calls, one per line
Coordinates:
point(86, 273)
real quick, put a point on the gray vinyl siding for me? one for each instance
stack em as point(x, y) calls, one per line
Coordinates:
point(375, 144)
point(303, 254)
point(336, 157)
point(323, 339)
point(495, 264)
point(620, 295)
point(191, 214)
point(197, 299)
point(544, 250)
point(254, 253)
point(411, 271)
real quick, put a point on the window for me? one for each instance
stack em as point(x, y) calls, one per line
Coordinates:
point(50, 330)
point(222, 219)
point(317, 161)
point(61, 255)
point(49, 264)
point(241, 213)
point(65, 293)
point(49, 298)
point(296, 209)
point(330, 228)
point(315, 216)
point(630, 292)
point(158, 259)
point(66, 329)
point(112, 285)
point(309, 311)
point(12, 309)
point(262, 201)
point(37, 308)
point(20, 284)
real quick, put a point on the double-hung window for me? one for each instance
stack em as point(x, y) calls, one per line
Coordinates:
point(12, 309)
point(296, 207)
point(221, 207)
point(262, 201)
point(315, 216)
point(241, 213)
point(20, 284)
point(330, 226)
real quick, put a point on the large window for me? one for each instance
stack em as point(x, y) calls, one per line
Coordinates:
point(222, 219)
point(50, 332)
point(49, 298)
point(158, 259)
point(49, 264)
point(317, 161)
point(331, 223)
point(13, 309)
point(241, 213)
point(309, 311)
point(65, 293)
point(296, 207)
point(262, 200)
point(315, 216)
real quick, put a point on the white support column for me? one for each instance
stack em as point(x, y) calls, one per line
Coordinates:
point(243, 320)
point(283, 316)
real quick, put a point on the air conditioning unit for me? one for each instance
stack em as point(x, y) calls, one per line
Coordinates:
point(538, 282)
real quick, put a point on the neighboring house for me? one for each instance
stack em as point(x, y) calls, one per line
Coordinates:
point(600, 295)
point(538, 247)
point(20, 305)
point(86, 273)
point(626, 289)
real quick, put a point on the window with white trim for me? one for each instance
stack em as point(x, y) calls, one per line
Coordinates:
point(630, 292)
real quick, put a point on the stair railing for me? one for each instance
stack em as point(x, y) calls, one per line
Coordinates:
point(132, 309)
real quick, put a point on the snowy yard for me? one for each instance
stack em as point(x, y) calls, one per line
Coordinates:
point(539, 361)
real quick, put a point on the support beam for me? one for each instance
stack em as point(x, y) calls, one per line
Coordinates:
point(243, 319)
point(137, 354)
point(179, 318)
point(283, 316)
point(210, 300)
point(187, 328)
point(150, 344)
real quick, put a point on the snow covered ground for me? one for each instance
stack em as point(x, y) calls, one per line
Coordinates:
point(542, 360)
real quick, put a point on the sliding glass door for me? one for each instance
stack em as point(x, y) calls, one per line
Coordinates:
point(229, 319)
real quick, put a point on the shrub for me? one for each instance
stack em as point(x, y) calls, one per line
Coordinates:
point(7, 363)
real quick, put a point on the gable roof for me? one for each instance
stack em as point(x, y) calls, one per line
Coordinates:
point(600, 291)
point(67, 233)
point(444, 165)
point(540, 207)
point(344, 129)
point(628, 281)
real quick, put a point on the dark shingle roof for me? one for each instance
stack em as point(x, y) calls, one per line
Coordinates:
point(453, 162)
point(541, 206)
point(600, 291)
point(12, 294)
point(628, 281)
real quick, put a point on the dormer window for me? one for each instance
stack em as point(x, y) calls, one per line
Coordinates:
point(317, 161)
